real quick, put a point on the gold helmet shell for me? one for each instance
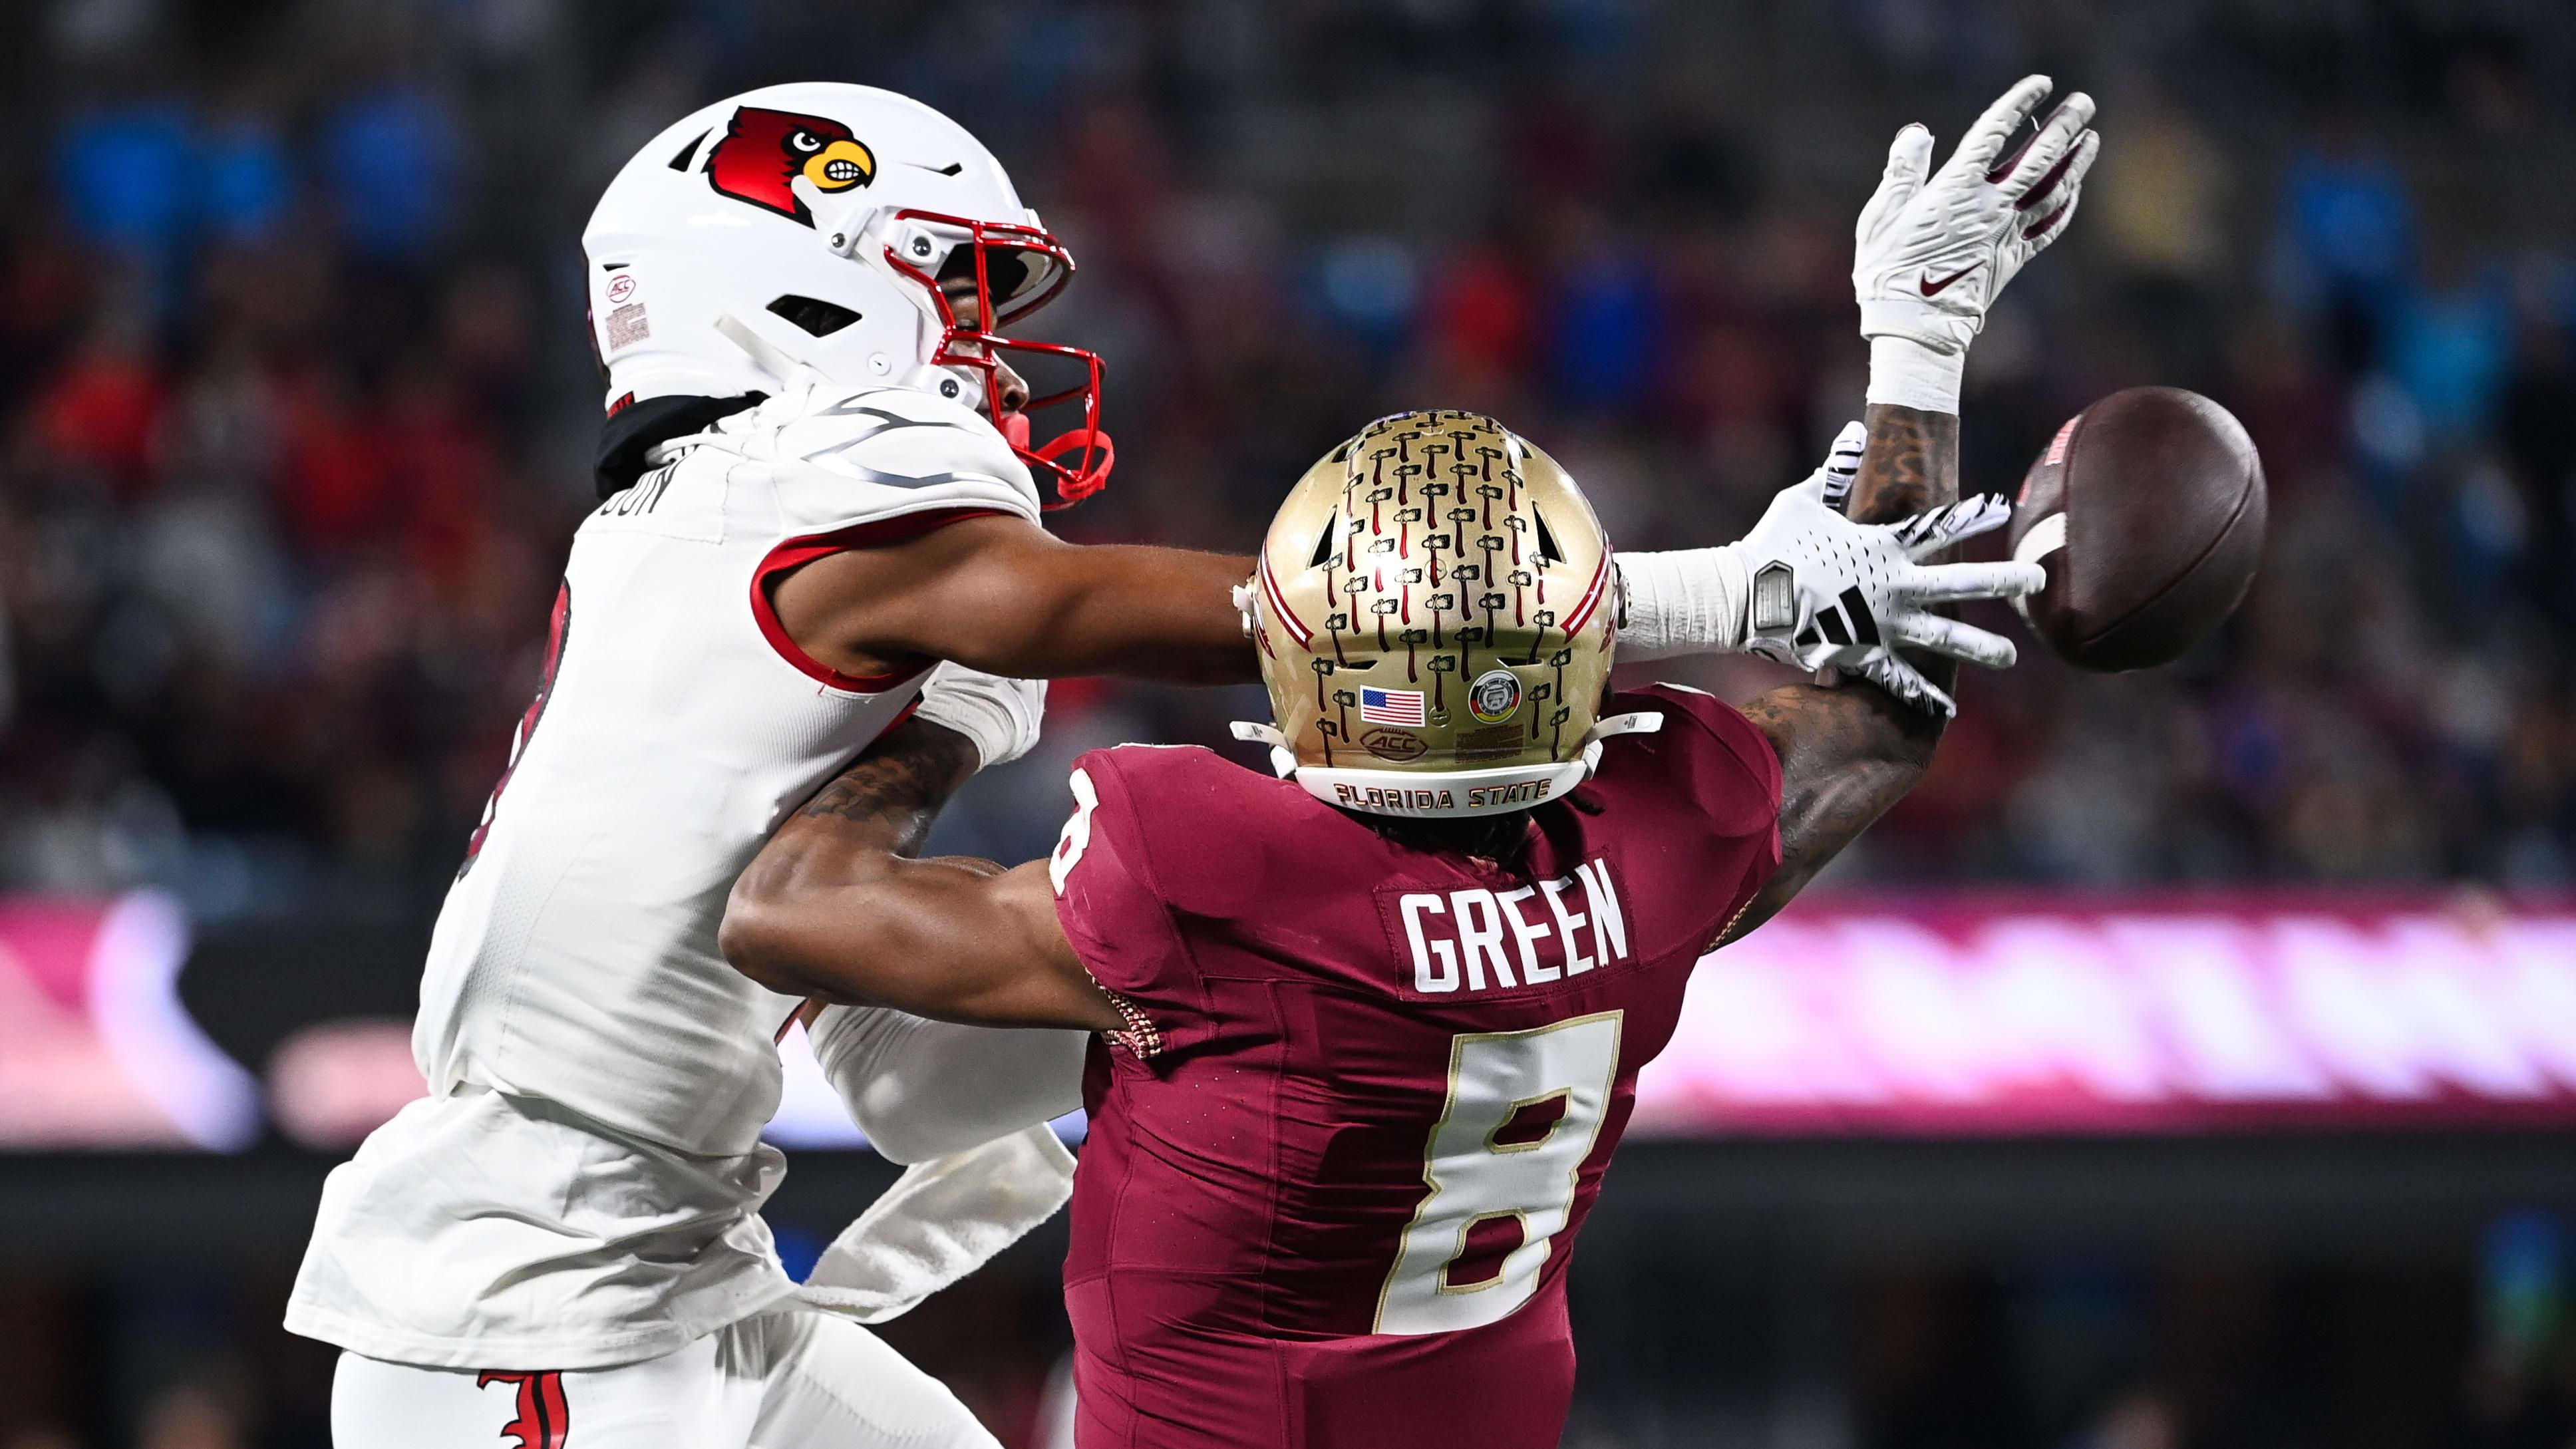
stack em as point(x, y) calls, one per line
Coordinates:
point(1434, 616)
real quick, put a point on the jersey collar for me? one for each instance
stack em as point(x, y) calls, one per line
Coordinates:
point(636, 429)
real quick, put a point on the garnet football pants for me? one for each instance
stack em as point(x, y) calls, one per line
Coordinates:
point(790, 1378)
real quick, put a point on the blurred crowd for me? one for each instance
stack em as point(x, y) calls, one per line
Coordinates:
point(296, 411)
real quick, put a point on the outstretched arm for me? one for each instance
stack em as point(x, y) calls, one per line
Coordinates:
point(1849, 752)
point(832, 909)
point(1002, 595)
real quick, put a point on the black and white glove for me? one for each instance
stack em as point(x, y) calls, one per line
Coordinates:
point(1812, 589)
point(1828, 593)
point(1000, 715)
point(1935, 248)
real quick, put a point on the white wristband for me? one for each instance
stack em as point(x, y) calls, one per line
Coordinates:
point(1906, 373)
point(1685, 601)
point(1001, 716)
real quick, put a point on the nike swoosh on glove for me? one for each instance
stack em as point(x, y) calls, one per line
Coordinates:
point(1828, 593)
point(1935, 248)
point(1000, 715)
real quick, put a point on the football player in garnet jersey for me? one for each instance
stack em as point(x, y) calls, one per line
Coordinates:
point(1369, 1030)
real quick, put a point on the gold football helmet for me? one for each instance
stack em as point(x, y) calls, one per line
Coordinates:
point(1434, 609)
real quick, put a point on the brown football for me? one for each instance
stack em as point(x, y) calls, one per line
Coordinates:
point(2146, 510)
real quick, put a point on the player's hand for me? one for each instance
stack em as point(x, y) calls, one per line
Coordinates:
point(1001, 716)
point(1934, 248)
point(1828, 593)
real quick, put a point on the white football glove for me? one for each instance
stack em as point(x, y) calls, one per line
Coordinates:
point(1828, 593)
point(1935, 248)
point(1000, 715)
point(1812, 589)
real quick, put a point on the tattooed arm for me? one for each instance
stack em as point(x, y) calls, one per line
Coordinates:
point(1910, 466)
point(834, 909)
point(1849, 752)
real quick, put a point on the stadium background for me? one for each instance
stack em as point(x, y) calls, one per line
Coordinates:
point(296, 417)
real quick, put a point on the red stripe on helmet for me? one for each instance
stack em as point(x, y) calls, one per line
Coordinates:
point(1279, 606)
point(1591, 599)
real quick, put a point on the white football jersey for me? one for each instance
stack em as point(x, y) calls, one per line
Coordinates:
point(573, 981)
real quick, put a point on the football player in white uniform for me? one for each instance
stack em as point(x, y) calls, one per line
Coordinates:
point(821, 514)
point(817, 485)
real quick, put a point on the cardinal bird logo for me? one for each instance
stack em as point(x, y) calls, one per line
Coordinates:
point(763, 151)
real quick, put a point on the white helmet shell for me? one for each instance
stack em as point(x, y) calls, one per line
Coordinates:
point(776, 209)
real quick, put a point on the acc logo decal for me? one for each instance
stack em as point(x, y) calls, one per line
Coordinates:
point(1394, 745)
point(764, 151)
point(1495, 696)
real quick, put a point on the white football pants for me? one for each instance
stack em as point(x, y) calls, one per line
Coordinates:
point(790, 1378)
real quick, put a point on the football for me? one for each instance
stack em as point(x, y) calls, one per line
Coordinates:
point(2146, 510)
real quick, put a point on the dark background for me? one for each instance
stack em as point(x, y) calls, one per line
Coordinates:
point(295, 419)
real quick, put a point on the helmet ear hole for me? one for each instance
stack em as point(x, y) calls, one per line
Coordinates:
point(813, 314)
point(1548, 547)
point(1324, 541)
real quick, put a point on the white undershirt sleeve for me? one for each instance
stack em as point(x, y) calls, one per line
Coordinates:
point(1684, 601)
point(924, 1089)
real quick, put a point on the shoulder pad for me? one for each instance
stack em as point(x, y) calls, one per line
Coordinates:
point(905, 451)
point(1184, 780)
point(1166, 758)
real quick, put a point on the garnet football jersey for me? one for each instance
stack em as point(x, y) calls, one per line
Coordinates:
point(1333, 1181)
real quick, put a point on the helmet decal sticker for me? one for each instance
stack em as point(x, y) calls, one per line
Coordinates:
point(627, 326)
point(1495, 696)
point(763, 152)
point(1395, 745)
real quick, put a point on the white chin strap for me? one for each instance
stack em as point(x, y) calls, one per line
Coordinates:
point(764, 354)
point(1447, 794)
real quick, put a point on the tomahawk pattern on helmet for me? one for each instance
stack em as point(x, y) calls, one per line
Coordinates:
point(1430, 613)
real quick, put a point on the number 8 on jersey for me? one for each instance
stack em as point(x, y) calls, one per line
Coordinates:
point(1521, 1115)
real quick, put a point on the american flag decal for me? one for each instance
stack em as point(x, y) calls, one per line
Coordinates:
point(1391, 706)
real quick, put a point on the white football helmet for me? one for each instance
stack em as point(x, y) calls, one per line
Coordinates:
point(839, 227)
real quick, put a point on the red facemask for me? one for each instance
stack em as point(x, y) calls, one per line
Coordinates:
point(1077, 460)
